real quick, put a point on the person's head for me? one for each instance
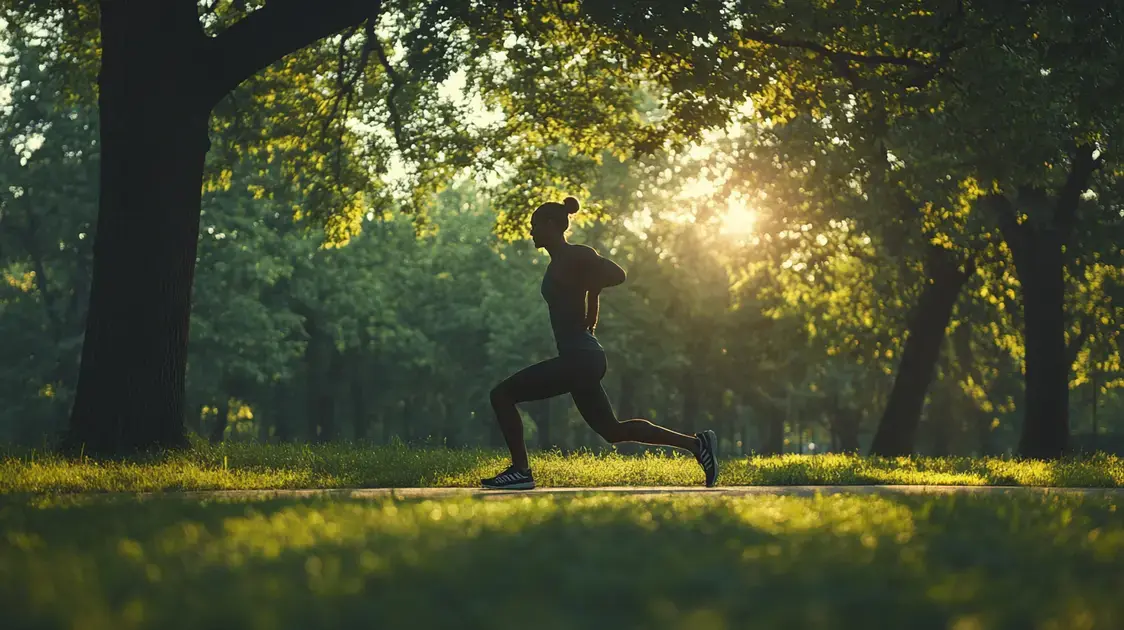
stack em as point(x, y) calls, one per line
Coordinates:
point(550, 222)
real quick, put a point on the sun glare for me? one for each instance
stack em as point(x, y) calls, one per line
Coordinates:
point(739, 219)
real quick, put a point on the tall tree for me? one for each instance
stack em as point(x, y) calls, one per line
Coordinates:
point(163, 70)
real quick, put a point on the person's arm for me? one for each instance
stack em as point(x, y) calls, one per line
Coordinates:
point(601, 274)
point(585, 267)
point(591, 304)
point(607, 273)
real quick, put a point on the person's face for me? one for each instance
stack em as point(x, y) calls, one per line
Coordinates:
point(544, 232)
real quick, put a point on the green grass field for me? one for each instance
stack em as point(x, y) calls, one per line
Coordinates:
point(693, 562)
point(248, 466)
point(72, 556)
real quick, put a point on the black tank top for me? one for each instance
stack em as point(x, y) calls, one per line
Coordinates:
point(567, 304)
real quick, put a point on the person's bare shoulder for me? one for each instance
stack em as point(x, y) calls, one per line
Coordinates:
point(584, 252)
point(577, 262)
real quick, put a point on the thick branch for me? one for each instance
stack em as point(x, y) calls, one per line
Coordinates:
point(1065, 211)
point(840, 55)
point(279, 28)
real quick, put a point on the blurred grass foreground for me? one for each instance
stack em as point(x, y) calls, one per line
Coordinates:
point(247, 466)
point(693, 562)
point(79, 549)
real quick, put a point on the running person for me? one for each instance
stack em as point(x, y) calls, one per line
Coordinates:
point(571, 286)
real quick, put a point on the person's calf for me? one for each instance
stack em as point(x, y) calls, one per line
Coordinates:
point(511, 426)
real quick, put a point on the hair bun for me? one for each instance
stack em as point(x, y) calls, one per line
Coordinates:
point(571, 204)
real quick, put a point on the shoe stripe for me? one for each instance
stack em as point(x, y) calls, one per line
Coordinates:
point(509, 477)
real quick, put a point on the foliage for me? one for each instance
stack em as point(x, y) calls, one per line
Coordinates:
point(860, 138)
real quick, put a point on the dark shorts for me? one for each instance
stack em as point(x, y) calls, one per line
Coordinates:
point(577, 372)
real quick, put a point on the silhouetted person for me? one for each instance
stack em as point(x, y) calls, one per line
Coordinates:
point(571, 286)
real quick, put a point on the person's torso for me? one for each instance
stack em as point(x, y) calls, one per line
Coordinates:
point(566, 303)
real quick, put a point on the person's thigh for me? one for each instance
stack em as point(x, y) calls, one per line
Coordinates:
point(586, 370)
point(594, 406)
point(547, 379)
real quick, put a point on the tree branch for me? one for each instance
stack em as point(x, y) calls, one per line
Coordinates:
point(279, 28)
point(342, 98)
point(396, 85)
point(341, 80)
point(840, 55)
point(1065, 209)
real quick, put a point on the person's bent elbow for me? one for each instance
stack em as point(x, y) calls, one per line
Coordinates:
point(613, 274)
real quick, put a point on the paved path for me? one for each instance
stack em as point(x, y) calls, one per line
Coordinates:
point(642, 491)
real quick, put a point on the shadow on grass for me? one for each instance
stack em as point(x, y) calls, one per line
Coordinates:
point(547, 562)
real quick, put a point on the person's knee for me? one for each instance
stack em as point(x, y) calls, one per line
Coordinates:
point(501, 397)
point(612, 432)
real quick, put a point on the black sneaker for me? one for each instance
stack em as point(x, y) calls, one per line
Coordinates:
point(510, 479)
point(708, 455)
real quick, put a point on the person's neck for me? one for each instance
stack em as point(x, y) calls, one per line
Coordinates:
point(551, 250)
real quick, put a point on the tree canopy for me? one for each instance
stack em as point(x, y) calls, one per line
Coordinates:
point(926, 258)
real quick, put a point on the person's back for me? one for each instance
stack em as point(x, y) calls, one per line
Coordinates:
point(566, 303)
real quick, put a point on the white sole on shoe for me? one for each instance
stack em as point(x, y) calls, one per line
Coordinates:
point(524, 485)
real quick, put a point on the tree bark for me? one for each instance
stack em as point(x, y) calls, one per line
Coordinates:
point(1038, 248)
point(130, 393)
point(160, 76)
point(1045, 431)
point(897, 430)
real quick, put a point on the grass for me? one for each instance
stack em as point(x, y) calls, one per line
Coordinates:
point(700, 563)
point(252, 466)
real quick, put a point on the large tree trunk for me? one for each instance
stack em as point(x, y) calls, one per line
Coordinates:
point(160, 76)
point(1046, 421)
point(1038, 242)
point(130, 393)
point(897, 431)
